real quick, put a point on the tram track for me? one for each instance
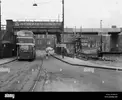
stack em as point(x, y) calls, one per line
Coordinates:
point(12, 78)
point(16, 75)
point(38, 77)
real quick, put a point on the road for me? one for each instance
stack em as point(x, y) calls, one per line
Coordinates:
point(58, 76)
point(64, 77)
point(21, 72)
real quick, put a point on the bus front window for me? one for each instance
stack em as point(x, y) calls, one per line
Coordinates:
point(24, 47)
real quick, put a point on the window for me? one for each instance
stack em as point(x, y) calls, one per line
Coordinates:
point(42, 36)
point(40, 41)
point(25, 40)
point(48, 42)
point(24, 47)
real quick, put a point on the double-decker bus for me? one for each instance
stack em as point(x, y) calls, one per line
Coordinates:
point(25, 45)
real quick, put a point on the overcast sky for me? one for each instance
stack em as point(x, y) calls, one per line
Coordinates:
point(85, 13)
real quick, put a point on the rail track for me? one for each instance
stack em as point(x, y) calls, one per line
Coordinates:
point(5, 82)
point(39, 78)
point(12, 78)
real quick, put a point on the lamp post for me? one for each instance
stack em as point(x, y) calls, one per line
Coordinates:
point(81, 38)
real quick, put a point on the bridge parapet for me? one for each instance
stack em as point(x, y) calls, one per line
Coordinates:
point(35, 26)
point(92, 30)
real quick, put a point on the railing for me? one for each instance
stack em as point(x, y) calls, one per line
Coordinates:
point(35, 20)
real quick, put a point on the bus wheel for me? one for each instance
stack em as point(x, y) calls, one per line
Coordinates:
point(30, 59)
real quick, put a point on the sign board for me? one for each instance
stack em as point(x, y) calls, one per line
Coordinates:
point(37, 24)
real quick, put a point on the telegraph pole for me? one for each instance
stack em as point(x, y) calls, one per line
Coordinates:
point(101, 35)
point(0, 15)
point(62, 26)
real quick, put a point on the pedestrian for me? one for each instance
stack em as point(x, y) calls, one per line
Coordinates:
point(47, 53)
point(98, 52)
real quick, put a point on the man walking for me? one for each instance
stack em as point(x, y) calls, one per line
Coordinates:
point(47, 53)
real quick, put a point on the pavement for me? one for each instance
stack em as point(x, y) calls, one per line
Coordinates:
point(75, 61)
point(5, 60)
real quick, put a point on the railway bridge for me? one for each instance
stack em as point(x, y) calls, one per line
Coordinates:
point(55, 28)
point(39, 28)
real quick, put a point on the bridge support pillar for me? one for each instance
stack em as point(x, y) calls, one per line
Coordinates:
point(114, 42)
point(9, 36)
point(9, 31)
point(58, 49)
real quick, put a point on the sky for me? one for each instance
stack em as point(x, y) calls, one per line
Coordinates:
point(85, 13)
